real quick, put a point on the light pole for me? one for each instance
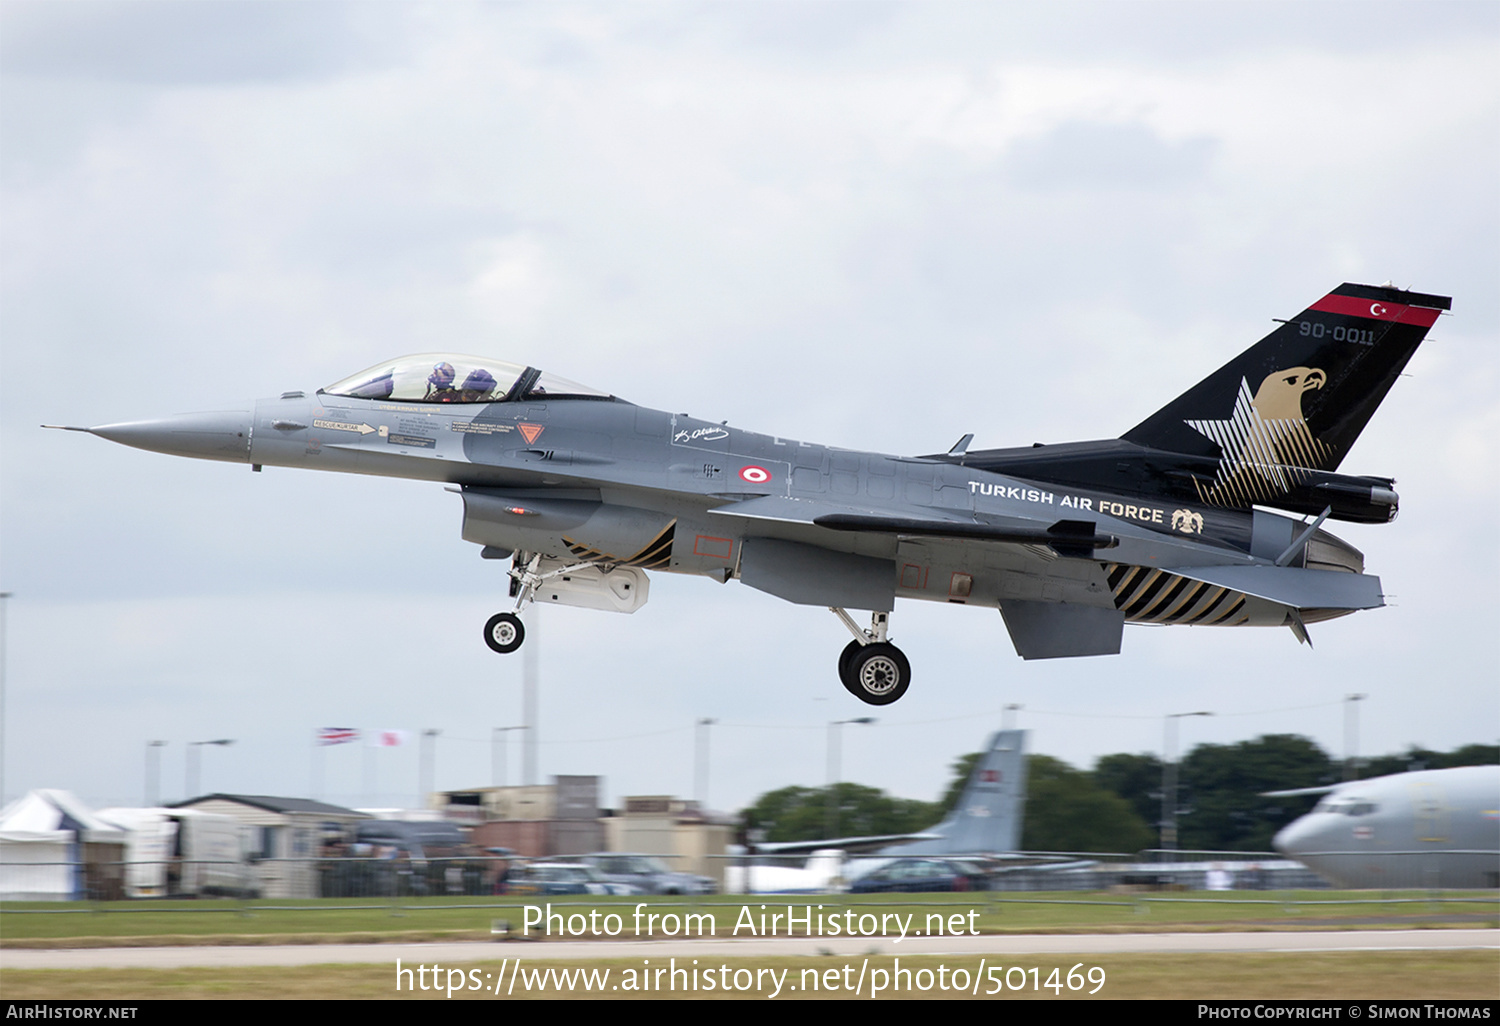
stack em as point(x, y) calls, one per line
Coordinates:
point(700, 763)
point(497, 753)
point(4, 609)
point(1351, 734)
point(1169, 779)
point(424, 774)
point(831, 821)
point(194, 763)
point(1008, 716)
point(531, 657)
point(153, 772)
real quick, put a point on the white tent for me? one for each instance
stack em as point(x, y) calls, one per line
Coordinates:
point(47, 839)
point(151, 836)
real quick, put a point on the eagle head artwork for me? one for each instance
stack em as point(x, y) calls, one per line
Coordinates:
point(1280, 394)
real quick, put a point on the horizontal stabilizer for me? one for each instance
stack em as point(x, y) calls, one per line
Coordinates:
point(1292, 586)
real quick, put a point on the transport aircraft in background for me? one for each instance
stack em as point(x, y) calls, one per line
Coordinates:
point(1430, 828)
point(986, 823)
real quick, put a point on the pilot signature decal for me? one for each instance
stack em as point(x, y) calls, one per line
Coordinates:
point(1266, 445)
point(708, 434)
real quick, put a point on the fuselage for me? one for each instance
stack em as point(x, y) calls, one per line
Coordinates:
point(601, 480)
point(1432, 828)
point(1167, 524)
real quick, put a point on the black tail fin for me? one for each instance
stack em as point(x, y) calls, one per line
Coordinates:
point(1299, 397)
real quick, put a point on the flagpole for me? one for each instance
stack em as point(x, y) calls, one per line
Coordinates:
point(317, 765)
point(370, 773)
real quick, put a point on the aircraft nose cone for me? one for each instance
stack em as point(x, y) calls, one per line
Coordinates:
point(1292, 839)
point(220, 435)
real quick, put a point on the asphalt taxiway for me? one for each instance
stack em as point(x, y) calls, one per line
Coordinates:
point(989, 944)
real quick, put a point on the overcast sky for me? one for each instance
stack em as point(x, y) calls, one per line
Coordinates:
point(871, 225)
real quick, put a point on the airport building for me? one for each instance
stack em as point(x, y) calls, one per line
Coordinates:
point(692, 840)
point(561, 818)
point(289, 834)
point(564, 818)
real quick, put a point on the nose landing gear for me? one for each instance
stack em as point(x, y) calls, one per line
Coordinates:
point(504, 632)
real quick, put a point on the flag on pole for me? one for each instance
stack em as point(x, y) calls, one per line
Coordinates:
point(337, 735)
point(387, 738)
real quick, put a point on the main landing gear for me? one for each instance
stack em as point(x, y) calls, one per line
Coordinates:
point(870, 667)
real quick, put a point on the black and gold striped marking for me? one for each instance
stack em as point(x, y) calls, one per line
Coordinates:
point(654, 555)
point(1156, 596)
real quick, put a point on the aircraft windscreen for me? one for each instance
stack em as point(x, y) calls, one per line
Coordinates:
point(1347, 806)
point(432, 378)
point(455, 378)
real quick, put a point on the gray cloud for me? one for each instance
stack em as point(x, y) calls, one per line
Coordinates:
point(1109, 158)
point(183, 42)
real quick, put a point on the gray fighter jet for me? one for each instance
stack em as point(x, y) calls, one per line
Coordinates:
point(584, 492)
point(1432, 828)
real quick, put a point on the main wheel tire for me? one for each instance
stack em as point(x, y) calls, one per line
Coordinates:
point(504, 632)
point(845, 658)
point(879, 674)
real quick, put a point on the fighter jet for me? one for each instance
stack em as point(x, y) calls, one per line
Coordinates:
point(1431, 828)
point(583, 493)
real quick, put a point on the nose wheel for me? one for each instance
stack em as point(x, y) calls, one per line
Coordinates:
point(870, 667)
point(504, 632)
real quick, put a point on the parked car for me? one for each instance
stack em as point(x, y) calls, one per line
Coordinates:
point(401, 858)
point(914, 874)
point(548, 878)
point(648, 874)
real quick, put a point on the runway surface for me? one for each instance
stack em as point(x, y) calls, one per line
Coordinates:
point(990, 944)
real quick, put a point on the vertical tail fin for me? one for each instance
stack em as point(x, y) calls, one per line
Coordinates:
point(987, 818)
point(1298, 398)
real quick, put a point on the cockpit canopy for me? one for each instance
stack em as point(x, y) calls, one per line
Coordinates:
point(456, 378)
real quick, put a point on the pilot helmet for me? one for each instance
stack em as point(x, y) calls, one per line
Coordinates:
point(441, 376)
point(479, 380)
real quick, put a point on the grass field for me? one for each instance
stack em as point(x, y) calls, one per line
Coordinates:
point(1324, 975)
point(63, 924)
point(1358, 976)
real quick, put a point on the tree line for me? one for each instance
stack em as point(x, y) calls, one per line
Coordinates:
point(1116, 806)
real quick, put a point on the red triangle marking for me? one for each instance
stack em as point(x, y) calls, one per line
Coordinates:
point(530, 432)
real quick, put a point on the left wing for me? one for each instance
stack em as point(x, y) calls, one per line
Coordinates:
point(849, 845)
